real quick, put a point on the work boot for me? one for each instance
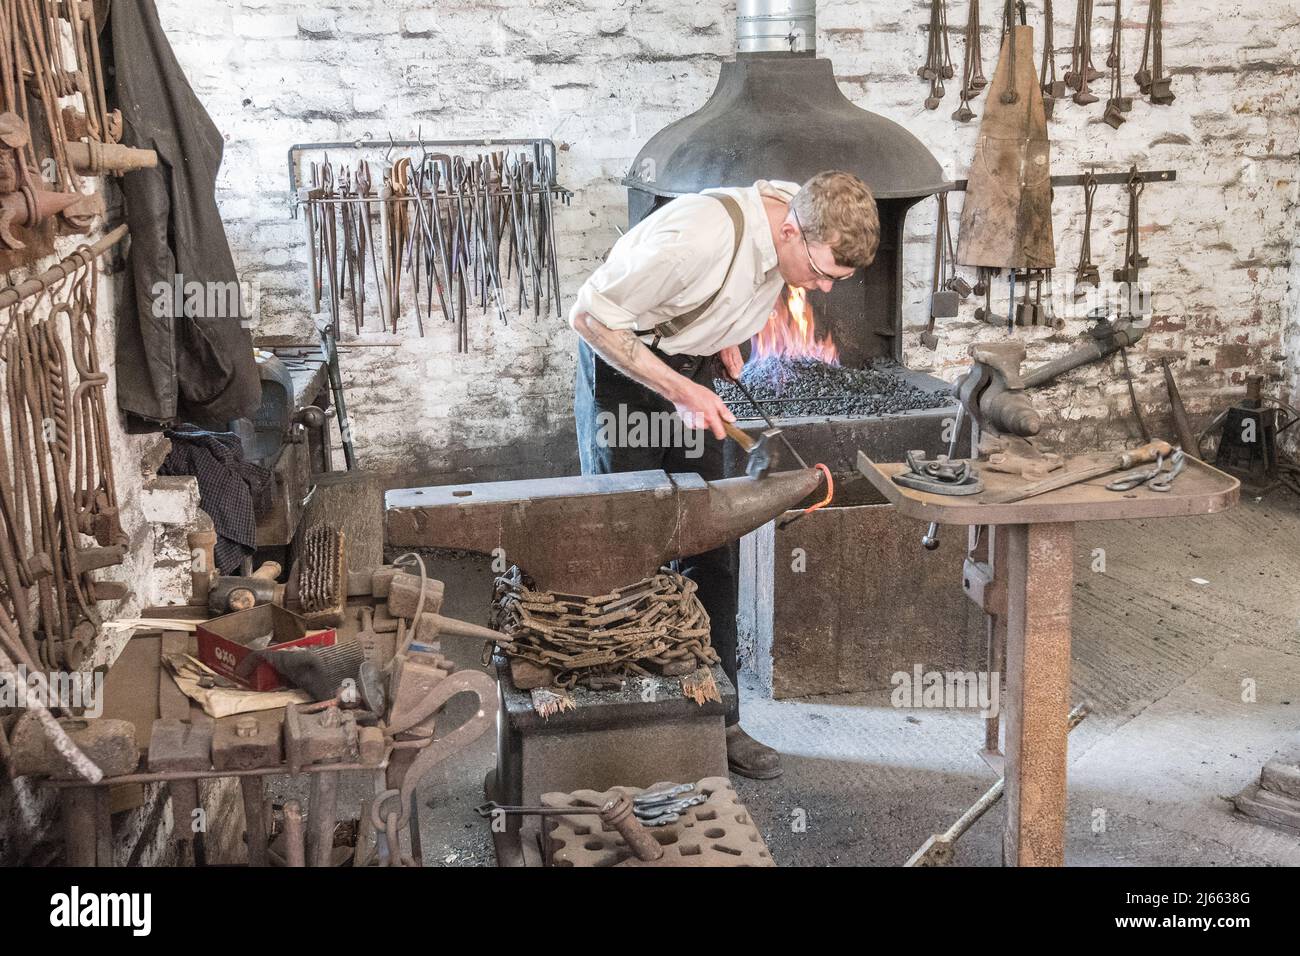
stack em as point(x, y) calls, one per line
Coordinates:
point(747, 757)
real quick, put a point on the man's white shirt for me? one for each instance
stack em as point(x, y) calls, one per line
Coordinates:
point(675, 258)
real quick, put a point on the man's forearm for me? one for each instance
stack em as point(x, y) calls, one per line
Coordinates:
point(623, 350)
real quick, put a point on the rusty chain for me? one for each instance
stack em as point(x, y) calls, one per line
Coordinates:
point(658, 621)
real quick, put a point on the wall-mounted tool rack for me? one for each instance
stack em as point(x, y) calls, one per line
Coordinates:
point(452, 222)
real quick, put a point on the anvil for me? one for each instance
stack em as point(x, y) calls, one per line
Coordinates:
point(592, 534)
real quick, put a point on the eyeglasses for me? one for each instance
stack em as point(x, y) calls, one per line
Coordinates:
point(808, 253)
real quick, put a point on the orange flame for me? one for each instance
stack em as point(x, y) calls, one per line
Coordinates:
point(791, 331)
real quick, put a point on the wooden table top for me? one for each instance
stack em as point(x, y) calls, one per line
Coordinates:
point(1201, 489)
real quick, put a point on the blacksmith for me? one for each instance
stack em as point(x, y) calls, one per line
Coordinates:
point(673, 303)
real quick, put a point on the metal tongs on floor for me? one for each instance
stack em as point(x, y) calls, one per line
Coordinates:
point(1159, 478)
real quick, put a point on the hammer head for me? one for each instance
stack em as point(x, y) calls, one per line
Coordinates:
point(765, 456)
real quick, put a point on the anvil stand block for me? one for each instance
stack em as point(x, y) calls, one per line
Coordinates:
point(1039, 579)
point(633, 737)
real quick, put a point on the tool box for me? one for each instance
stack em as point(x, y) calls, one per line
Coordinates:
point(225, 641)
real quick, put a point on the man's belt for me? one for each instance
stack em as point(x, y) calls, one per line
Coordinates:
point(686, 365)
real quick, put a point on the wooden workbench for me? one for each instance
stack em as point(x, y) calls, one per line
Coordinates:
point(1038, 574)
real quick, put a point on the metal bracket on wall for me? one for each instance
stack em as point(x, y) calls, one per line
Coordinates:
point(1104, 179)
point(296, 150)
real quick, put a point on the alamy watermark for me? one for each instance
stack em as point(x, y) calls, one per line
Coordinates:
point(192, 299)
point(632, 428)
point(78, 691)
point(953, 690)
point(75, 909)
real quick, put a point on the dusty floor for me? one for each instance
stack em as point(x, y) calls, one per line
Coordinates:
point(1184, 613)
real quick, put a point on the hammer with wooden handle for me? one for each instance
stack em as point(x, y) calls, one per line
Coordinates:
point(1142, 455)
point(759, 451)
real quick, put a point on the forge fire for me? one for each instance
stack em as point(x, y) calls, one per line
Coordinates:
point(794, 371)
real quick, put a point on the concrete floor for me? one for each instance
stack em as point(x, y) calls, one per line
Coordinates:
point(1186, 610)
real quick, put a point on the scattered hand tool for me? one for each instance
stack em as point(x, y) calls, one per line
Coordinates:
point(1149, 452)
point(232, 593)
point(1182, 426)
point(940, 476)
point(938, 849)
point(931, 540)
point(619, 813)
point(1158, 478)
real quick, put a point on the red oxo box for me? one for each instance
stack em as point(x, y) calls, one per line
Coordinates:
point(224, 642)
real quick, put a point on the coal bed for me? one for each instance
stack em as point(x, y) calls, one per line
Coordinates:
point(800, 387)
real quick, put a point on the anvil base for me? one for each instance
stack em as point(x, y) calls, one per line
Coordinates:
point(634, 737)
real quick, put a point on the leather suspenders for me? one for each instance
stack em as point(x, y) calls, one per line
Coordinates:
point(680, 323)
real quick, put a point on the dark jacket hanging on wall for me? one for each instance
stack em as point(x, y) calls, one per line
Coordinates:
point(174, 365)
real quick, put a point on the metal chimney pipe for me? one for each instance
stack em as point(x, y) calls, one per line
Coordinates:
point(776, 26)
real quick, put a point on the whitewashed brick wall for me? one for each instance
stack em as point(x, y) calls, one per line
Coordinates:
point(601, 76)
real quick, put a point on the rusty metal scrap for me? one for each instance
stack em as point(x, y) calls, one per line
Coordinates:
point(56, 475)
point(658, 622)
point(717, 831)
point(322, 583)
point(55, 125)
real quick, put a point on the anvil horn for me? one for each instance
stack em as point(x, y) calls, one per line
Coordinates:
point(593, 534)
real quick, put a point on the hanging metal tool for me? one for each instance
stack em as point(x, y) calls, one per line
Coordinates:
point(938, 58)
point(1053, 89)
point(1152, 82)
point(444, 223)
point(1086, 274)
point(1082, 72)
point(1118, 104)
point(946, 287)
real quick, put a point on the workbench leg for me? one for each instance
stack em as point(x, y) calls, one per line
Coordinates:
point(1040, 585)
point(103, 827)
point(322, 814)
point(295, 849)
point(185, 800)
point(79, 813)
point(255, 829)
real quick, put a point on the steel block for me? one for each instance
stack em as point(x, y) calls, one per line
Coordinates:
point(109, 744)
point(176, 746)
point(247, 741)
point(329, 736)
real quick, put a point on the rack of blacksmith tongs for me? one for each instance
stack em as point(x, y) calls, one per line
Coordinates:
point(429, 225)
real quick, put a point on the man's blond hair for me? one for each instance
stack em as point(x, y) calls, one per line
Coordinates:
point(838, 209)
